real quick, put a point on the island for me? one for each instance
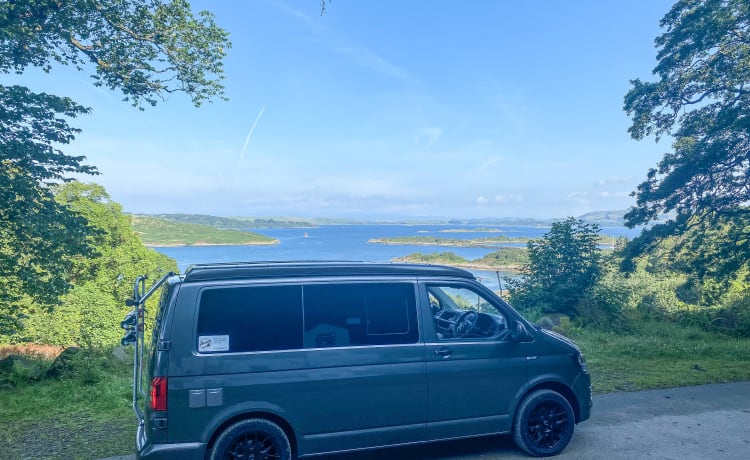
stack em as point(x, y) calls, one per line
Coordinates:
point(157, 232)
point(504, 259)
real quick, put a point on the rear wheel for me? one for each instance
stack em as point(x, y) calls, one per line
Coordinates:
point(544, 423)
point(252, 439)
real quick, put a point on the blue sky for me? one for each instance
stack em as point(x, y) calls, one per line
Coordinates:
point(390, 109)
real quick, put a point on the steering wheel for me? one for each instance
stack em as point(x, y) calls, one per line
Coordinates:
point(465, 323)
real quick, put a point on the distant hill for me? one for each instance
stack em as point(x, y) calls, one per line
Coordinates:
point(155, 231)
point(233, 222)
point(613, 218)
point(605, 218)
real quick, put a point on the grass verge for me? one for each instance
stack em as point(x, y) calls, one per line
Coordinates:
point(661, 355)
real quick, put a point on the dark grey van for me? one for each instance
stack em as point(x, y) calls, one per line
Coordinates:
point(294, 359)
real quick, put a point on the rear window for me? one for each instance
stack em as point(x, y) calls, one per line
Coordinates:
point(360, 314)
point(257, 318)
point(268, 318)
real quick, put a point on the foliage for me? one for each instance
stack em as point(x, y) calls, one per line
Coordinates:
point(39, 238)
point(146, 49)
point(701, 100)
point(657, 288)
point(91, 312)
point(564, 265)
point(606, 305)
point(712, 252)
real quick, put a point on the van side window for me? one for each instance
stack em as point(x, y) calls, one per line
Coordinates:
point(355, 314)
point(257, 318)
point(460, 313)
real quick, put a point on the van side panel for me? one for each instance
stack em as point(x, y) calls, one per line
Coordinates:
point(331, 407)
point(347, 391)
point(333, 397)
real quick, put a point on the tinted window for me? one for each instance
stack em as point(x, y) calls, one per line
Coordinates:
point(359, 314)
point(258, 318)
point(460, 313)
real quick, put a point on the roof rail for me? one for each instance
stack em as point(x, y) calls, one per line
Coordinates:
point(271, 269)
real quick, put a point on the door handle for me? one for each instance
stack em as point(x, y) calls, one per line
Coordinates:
point(444, 352)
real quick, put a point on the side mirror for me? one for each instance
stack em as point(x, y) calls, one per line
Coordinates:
point(518, 333)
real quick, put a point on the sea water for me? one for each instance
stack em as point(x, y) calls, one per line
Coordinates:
point(350, 243)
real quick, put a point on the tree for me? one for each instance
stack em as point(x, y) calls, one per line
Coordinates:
point(563, 266)
point(89, 314)
point(146, 49)
point(702, 100)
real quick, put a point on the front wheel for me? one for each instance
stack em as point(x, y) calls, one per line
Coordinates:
point(543, 424)
point(256, 439)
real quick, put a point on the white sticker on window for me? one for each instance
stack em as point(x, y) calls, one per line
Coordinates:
point(213, 343)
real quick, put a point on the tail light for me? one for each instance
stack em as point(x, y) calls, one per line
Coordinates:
point(159, 393)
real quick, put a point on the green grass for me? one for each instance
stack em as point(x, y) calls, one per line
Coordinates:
point(67, 419)
point(662, 355)
point(162, 232)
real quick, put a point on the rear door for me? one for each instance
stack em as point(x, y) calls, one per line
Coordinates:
point(474, 373)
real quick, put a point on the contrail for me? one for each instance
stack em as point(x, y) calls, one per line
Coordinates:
point(250, 133)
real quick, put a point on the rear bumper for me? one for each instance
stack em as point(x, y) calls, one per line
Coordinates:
point(147, 451)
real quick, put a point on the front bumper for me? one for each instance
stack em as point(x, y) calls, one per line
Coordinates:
point(582, 389)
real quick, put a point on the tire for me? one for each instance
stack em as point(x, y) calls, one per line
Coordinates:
point(543, 424)
point(254, 438)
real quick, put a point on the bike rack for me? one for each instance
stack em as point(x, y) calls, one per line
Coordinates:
point(133, 324)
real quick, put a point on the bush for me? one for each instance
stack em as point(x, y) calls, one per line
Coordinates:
point(564, 265)
point(86, 366)
point(605, 306)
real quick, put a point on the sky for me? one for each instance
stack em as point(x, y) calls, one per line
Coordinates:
point(388, 109)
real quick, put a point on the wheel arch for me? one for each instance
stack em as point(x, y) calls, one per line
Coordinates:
point(561, 388)
point(271, 417)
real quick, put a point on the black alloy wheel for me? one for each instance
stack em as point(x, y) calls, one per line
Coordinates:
point(544, 423)
point(252, 439)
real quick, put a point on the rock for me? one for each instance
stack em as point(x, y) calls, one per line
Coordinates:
point(120, 353)
point(64, 364)
point(22, 367)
